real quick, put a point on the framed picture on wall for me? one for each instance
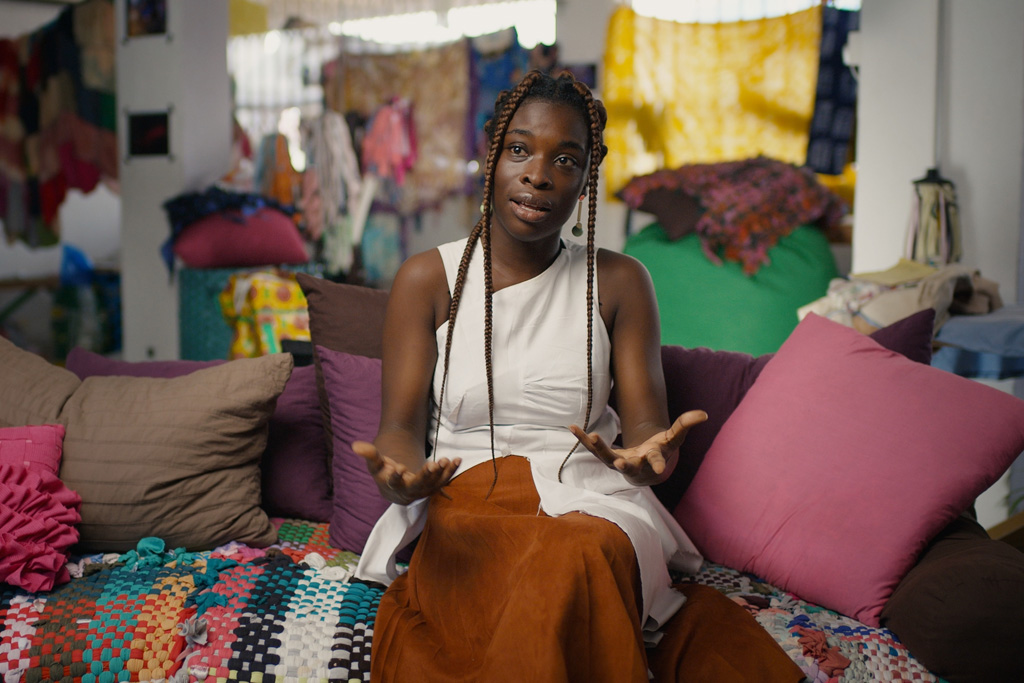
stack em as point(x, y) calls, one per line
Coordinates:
point(149, 134)
point(146, 17)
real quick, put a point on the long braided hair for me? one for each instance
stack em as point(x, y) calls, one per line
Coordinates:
point(536, 85)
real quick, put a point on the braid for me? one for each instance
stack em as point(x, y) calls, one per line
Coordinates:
point(504, 108)
point(535, 85)
point(488, 336)
point(596, 116)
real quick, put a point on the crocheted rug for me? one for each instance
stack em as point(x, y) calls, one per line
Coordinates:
point(291, 613)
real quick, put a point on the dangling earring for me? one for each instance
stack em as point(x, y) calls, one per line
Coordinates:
point(483, 206)
point(577, 229)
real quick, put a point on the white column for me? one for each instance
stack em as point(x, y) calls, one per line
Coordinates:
point(185, 72)
point(895, 123)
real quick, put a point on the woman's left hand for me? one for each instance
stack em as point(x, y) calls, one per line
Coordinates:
point(645, 463)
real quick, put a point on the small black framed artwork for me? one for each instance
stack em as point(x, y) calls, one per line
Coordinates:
point(146, 18)
point(149, 134)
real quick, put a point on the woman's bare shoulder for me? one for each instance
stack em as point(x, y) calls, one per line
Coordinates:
point(423, 269)
point(620, 270)
point(421, 284)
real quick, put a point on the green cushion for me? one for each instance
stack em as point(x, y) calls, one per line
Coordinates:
point(717, 306)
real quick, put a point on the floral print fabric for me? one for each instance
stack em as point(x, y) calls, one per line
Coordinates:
point(747, 205)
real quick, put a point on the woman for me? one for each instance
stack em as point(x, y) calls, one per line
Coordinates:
point(538, 560)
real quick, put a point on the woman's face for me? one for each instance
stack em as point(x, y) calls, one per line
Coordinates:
point(541, 170)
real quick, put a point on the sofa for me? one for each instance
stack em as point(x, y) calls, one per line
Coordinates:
point(198, 521)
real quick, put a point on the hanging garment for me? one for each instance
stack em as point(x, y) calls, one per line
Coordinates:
point(436, 81)
point(276, 178)
point(327, 142)
point(498, 62)
point(57, 118)
point(933, 235)
point(389, 148)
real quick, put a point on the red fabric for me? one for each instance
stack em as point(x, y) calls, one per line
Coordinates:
point(268, 237)
point(815, 644)
point(80, 174)
point(38, 513)
point(51, 196)
point(748, 205)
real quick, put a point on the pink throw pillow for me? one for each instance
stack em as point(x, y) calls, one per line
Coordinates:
point(840, 464)
point(228, 239)
point(38, 513)
point(716, 381)
point(36, 447)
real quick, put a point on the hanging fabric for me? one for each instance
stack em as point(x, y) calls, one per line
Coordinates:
point(57, 118)
point(835, 105)
point(436, 81)
point(682, 93)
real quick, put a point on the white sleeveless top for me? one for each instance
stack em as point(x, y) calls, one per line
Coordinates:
point(539, 365)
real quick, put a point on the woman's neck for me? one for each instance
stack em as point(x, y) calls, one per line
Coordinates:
point(513, 262)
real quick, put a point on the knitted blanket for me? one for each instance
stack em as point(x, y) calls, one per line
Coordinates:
point(291, 613)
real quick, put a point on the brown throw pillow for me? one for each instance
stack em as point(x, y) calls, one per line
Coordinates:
point(32, 390)
point(173, 458)
point(345, 318)
point(960, 610)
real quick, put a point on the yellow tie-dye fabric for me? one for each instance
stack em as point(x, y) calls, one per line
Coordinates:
point(263, 308)
point(698, 93)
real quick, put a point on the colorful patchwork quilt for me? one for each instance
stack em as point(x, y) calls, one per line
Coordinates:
point(292, 613)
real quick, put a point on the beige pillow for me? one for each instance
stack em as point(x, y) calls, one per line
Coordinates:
point(32, 391)
point(173, 458)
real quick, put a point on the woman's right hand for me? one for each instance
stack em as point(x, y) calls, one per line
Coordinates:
point(400, 485)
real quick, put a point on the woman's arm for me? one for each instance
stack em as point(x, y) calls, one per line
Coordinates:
point(417, 305)
point(630, 312)
point(628, 293)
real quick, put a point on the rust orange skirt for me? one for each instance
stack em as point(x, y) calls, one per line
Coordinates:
point(496, 592)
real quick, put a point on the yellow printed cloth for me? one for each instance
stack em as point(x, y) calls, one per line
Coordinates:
point(263, 308)
point(680, 93)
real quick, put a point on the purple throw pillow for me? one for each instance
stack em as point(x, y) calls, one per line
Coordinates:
point(353, 385)
point(716, 382)
point(295, 478)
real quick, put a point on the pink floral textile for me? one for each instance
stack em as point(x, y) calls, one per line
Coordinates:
point(38, 513)
point(747, 205)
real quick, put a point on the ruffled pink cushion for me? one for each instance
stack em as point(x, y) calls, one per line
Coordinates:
point(32, 566)
point(38, 513)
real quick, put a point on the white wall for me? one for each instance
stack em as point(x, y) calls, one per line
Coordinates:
point(981, 135)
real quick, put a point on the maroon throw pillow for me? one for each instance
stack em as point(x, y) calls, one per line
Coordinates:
point(342, 317)
point(228, 239)
point(716, 382)
point(295, 478)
